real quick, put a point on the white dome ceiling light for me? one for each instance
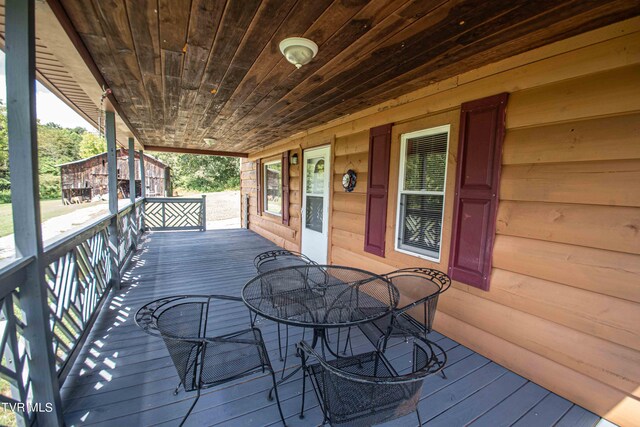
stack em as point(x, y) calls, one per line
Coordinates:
point(299, 51)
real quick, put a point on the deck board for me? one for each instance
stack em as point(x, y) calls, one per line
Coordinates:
point(125, 377)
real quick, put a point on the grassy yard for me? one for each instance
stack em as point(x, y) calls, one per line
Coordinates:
point(48, 209)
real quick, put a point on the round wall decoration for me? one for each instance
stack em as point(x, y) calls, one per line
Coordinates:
point(349, 180)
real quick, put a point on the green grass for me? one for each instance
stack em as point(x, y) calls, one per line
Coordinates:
point(48, 209)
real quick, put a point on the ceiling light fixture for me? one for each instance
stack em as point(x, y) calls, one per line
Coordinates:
point(299, 51)
point(209, 141)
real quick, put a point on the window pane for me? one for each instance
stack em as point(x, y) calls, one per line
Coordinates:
point(425, 161)
point(314, 213)
point(273, 186)
point(421, 225)
point(315, 175)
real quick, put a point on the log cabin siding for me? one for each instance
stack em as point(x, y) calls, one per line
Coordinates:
point(564, 304)
point(271, 226)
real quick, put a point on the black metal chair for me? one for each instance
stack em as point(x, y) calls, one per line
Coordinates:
point(204, 361)
point(415, 318)
point(273, 260)
point(364, 390)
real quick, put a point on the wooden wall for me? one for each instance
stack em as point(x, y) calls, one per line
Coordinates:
point(564, 304)
point(271, 226)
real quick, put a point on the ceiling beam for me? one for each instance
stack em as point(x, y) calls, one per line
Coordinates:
point(194, 151)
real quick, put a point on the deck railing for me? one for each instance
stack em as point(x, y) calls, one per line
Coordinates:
point(15, 381)
point(169, 213)
point(129, 226)
point(78, 276)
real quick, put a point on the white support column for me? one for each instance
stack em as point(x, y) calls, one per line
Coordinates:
point(132, 171)
point(132, 191)
point(23, 160)
point(143, 180)
point(143, 184)
point(112, 168)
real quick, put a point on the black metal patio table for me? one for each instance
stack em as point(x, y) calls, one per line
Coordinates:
point(320, 297)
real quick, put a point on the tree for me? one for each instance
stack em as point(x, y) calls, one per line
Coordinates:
point(4, 143)
point(203, 173)
point(92, 144)
point(56, 145)
point(5, 184)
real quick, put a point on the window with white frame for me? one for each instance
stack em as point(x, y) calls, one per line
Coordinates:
point(273, 187)
point(423, 172)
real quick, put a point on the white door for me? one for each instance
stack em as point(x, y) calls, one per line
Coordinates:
point(315, 203)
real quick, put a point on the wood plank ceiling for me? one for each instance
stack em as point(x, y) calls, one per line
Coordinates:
point(185, 70)
point(63, 72)
point(53, 74)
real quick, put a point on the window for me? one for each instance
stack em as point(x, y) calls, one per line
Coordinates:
point(423, 171)
point(273, 187)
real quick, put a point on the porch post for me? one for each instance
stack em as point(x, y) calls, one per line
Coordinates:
point(143, 184)
point(132, 171)
point(167, 182)
point(142, 178)
point(23, 160)
point(132, 191)
point(112, 169)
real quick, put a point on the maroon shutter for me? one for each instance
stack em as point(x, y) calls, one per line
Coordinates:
point(259, 186)
point(476, 199)
point(377, 189)
point(285, 188)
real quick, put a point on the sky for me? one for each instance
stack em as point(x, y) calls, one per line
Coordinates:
point(49, 107)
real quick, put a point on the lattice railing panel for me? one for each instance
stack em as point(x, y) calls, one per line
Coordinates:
point(129, 226)
point(76, 282)
point(126, 233)
point(140, 217)
point(175, 214)
point(15, 380)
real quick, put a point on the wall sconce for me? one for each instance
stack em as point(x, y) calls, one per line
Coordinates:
point(294, 159)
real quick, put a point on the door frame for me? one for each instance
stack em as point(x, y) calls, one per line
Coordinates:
point(328, 207)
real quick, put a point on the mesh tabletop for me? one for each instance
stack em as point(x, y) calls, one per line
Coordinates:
point(320, 296)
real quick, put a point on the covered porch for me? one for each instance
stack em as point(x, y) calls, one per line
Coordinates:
point(125, 377)
point(557, 236)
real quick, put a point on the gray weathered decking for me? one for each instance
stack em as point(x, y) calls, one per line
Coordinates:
point(124, 377)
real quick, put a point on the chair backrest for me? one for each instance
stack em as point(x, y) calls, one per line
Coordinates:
point(366, 390)
point(181, 322)
point(425, 285)
point(280, 258)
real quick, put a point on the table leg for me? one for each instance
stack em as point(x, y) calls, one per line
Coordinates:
point(318, 335)
point(325, 343)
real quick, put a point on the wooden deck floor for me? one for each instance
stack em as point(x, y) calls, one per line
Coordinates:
point(125, 378)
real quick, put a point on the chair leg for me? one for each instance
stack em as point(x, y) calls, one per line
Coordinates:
point(418, 414)
point(279, 343)
point(443, 374)
point(348, 342)
point(286, 349)
point(275, 387)
point(304, 386)
point(175, 392)
point(190, 409)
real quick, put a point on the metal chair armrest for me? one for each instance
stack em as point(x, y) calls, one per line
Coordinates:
point(231, 338)
point(225, 297)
